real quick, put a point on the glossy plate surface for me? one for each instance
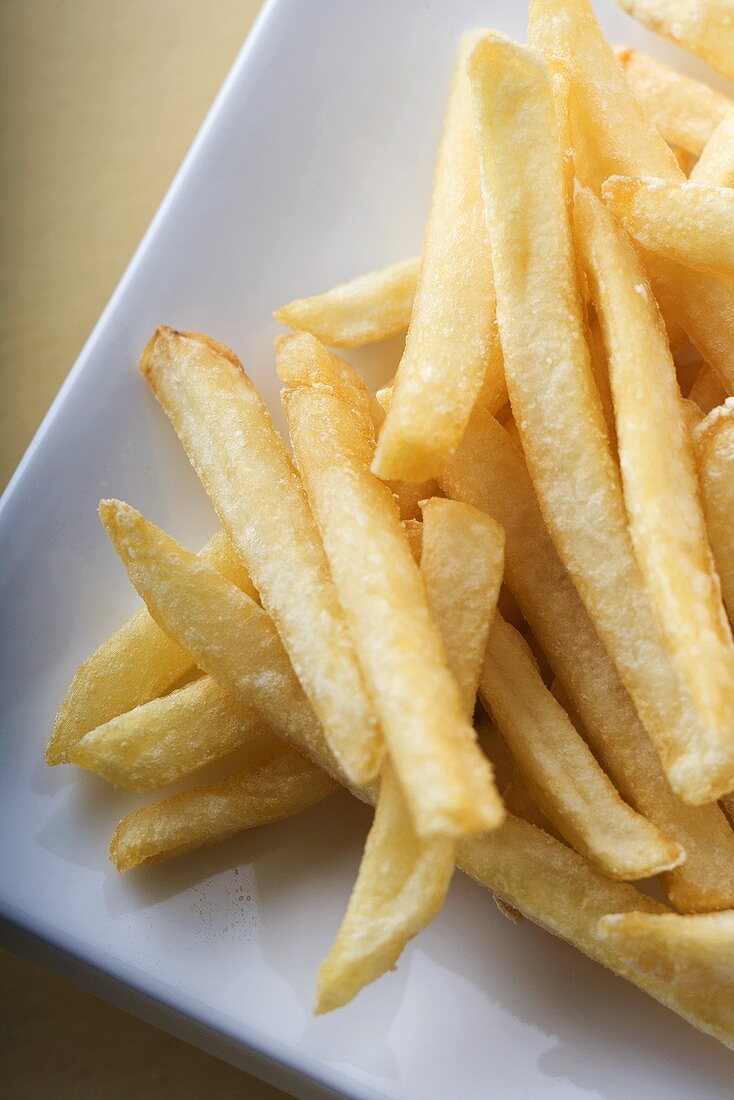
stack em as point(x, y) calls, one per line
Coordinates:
point(315, 165)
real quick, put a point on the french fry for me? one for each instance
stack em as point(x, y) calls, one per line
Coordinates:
point(244, 467)
point(226, 633)
point(685, 222)
point(403, 880)
point(692, 415)
point(570, 787)
point(370, 308)
point(705, 308)
point(446, 780)
point(409, 494)
point(555, 402)
point(136, 664)
point(714, 443)
point(715, 166)
point(535, 874)
point(661, 494)
point(706, 391)
point(686, 161)
point(169, 738)
point(684, 110)
point(462, 563)
point(400, 888)
point(277, 787)
point(520, 803)
point(452, 345)
point(488, 472)
point(568, 34)
point(556, 888)
point(600, 371)
point(693, 952)
point(613, 137)
point(705, 27)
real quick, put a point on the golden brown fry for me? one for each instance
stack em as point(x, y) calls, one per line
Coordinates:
point(452, 344)
point(462, 563)
point(714, 443)
point(226, 633)
point(277, 787)
point(446, 781)
point(661, 494)
point(367, 309)
point(556, 404)
point(684, 222)
point(706, 391)
point(571, 788)
point(488, 471)
point(245, 468)
point(136, 664)
point(166, 739)
point(685, 111)
point(715, 166)
point(553, 886)
point(613, 137)
point(705, 27)
point(689, 953)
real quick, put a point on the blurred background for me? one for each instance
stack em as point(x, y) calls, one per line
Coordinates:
point(99, 101)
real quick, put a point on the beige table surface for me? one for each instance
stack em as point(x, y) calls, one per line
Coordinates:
point(99, 100)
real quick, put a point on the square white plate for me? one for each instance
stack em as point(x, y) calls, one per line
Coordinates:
point(314, 165)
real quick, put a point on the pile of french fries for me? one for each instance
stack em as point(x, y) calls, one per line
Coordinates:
point(491, 599)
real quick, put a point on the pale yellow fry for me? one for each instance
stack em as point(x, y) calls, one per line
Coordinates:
point(706, 27)
point(613, 137)
point(706, 391)
point(572, 790)
point(244, 466)
point(462, 564)
point(280, 786)
point(715, 166)
point(541, 878)
point(367, 309)
point(444, 776)
point(166, 739)
point(554, 399)
point(226, 633)
point(489, 472)
point(685, 111)
point(694, 952)
point(568, 34)
point(685, 222)
point(714, 443)
point(403, 880)
point(704, 305)
point(452, 344)
point(136, 663)
point(661, 494)
point(556, 888)
point(400, 888)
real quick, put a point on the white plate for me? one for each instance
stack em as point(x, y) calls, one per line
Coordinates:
point(315, 164)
